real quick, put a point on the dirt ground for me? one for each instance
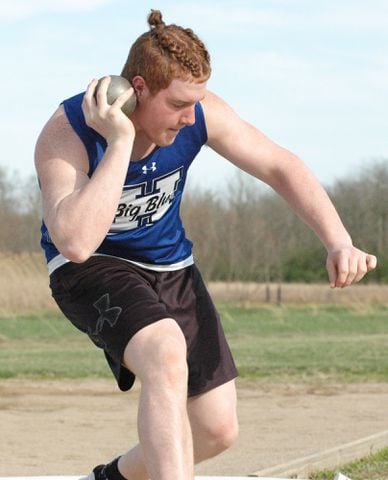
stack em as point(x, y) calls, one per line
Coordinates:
point(67, 427)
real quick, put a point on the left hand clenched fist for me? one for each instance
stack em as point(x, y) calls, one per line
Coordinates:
point(347, 265)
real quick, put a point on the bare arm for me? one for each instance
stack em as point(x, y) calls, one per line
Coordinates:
point(79, 210)
point(250, 150)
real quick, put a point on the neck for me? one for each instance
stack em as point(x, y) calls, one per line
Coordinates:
point(142, 147)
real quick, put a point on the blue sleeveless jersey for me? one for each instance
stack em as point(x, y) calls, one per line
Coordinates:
point(147, 228)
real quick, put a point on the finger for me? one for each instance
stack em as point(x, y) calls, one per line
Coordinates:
point(371, 262)
point(353, 271)
point(361, 269)
point(102, 90)
point(121, 99)
point(89, 102)
point(89, 93)
point(332, 272)
point(342, 271)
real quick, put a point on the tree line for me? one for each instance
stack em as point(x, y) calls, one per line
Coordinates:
point(246, 232)
point(251, 234)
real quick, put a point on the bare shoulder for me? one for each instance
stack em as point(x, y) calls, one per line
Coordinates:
point(219, 116)
point(239, 141)
point(228, 133)
point(213, 101)
point(58, 144)
point(61, 163)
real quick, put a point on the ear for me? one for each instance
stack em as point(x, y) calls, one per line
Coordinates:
point(139, 85)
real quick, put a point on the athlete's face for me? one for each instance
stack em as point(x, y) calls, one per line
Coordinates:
point(160, 116)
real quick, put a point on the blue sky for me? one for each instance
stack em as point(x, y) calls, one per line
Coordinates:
point(312, 75)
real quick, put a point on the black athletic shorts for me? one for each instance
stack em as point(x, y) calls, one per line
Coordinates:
point(111, 299)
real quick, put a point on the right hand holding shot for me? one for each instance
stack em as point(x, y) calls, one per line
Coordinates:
point(107, 106)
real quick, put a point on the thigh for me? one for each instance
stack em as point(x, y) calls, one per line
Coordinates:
point(110, 300)
point(208, 354)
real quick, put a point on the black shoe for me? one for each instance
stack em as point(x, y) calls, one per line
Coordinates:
point(98, 473)
point(109, 471)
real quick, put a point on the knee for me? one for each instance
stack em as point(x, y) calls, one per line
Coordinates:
point(170, 362)
point(222, 435)
point(157, 354)
point(226, 434)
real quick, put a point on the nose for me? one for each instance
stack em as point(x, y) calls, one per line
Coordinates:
point(188, 116)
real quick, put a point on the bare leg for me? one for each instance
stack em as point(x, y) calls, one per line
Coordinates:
point(157, 355)
point(214, 427)
point(213, 420)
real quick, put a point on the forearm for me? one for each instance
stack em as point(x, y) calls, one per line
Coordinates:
point(298, 186)
point(252, 151)
point(81, 220)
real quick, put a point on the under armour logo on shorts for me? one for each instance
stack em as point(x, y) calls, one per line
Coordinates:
point(107, 313)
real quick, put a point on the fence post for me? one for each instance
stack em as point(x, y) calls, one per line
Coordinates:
point(267, 293)
point(279, 296)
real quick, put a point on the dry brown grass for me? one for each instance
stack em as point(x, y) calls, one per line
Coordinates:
point(298, 293)
point(24, 283)
point(24, 288)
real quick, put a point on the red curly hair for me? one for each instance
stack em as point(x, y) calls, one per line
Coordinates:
point(166, 52)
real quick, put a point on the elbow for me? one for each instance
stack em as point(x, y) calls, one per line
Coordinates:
point(73, 245)
point(77, 257)
point(74, 251)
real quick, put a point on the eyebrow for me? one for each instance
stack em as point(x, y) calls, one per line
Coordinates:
point(187, 102)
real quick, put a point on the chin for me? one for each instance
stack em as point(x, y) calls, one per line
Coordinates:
point(165, 141)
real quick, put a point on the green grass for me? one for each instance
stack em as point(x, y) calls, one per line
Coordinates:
point(300, 344)
point(374, 467)
point(306, 343)
point(46, 345)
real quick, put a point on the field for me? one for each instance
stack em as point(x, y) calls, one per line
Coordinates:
point(313, 369)
point(317, 376)
point(289, 344)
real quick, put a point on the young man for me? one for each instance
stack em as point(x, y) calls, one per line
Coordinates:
point(121, 268)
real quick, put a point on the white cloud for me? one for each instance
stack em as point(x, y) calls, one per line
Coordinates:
point(25, 8)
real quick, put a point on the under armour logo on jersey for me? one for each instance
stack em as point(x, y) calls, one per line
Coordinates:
point(146, 169)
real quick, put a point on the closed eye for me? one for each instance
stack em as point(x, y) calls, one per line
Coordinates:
point(181, 105)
